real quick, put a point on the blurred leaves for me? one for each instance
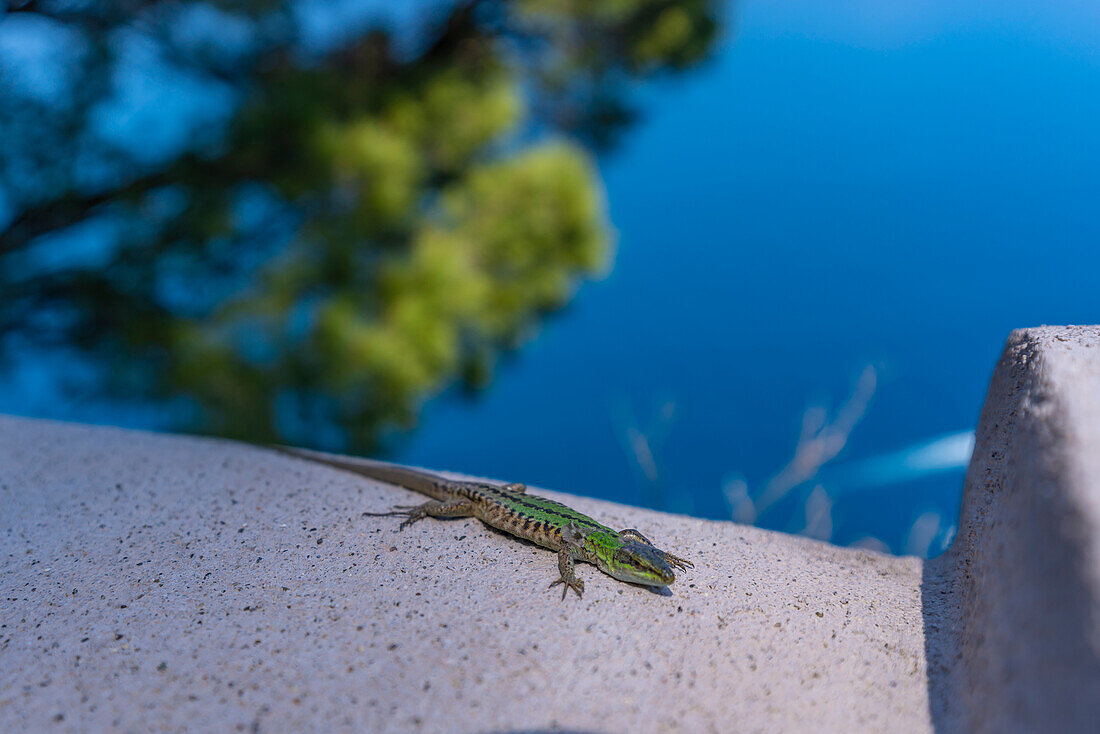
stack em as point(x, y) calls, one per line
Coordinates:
point(290, 240)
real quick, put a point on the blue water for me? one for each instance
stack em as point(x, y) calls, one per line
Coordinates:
point(828, 193)
point(844, 185)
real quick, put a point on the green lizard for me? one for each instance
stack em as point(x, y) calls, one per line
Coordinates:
point(626, 555)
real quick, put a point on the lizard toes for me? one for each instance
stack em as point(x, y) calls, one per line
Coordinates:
point(576, 585)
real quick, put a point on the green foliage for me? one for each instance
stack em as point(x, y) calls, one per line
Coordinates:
point(366, 228)
point(631, 33)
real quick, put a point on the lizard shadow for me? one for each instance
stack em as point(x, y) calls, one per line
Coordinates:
point(658, 590)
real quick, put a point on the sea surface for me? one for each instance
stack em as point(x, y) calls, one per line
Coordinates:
point(845, 185)
point(824, 236)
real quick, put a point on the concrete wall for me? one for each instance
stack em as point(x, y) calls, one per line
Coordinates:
point(1013, 609)
point(174, 583)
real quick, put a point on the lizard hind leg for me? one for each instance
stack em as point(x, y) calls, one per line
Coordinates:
point(433, 508)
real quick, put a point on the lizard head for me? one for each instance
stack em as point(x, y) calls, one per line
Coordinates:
point(636, 563)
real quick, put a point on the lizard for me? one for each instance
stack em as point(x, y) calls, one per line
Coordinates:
point(626, 555)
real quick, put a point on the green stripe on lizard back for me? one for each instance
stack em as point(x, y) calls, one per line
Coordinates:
point(626, 555)
point(536, 508)
point(537, 519)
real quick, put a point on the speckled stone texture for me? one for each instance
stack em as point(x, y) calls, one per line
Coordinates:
point(164, 583)
point(1013, 609)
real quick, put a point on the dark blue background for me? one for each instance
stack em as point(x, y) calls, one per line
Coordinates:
point(834, 190)
point(844, 184)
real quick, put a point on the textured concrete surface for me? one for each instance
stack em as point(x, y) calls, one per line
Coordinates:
point(1013, 609)
point(156, 582)
point(163, 583)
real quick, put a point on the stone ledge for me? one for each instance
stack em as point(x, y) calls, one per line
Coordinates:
point(156, 582)
point(1013, 608)
point(164, 582)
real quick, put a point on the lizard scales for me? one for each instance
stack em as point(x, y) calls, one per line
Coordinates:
point(626, 555)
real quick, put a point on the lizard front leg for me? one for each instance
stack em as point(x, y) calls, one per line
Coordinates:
point(566, 567)
point(434, 508)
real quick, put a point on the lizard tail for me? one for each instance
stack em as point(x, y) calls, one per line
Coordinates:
point(414, 479)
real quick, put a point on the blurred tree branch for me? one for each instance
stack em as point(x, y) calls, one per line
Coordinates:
point(358, 228)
